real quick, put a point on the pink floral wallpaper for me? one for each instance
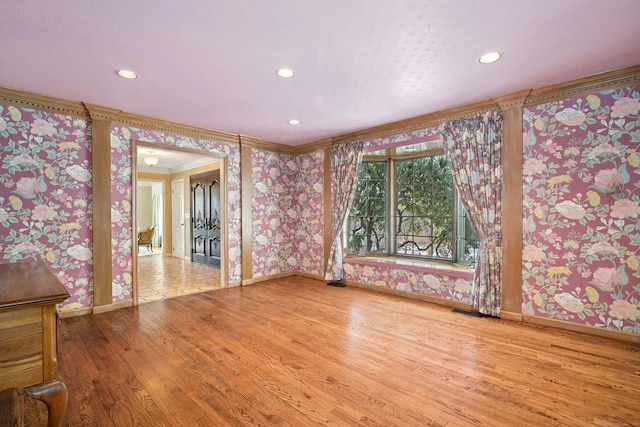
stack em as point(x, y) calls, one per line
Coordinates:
point(581, 242)
point(121, 215)
point(45, 196)
point(288, 211)
point(404, 138)
point(449, 285)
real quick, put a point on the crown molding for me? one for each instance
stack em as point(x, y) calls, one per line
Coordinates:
point(420, 122)
point(586, 85)
point(41, 102)
point(320, 145)
point(251, 142)
point(150, 123)
point(513, 101)
point(97, 112)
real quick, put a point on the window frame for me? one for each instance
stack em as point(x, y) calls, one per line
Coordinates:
point(390, 157)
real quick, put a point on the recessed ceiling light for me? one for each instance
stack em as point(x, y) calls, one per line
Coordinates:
point(286, 72)
point(490, 57)
point(294, 122)
point(127, 74)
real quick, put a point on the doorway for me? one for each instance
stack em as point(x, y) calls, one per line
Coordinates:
point(174, 270)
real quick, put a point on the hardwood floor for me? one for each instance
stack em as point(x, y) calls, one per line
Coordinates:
point(295, 352)
point(161, 277)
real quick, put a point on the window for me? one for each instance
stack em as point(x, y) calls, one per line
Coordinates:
point(406, 204)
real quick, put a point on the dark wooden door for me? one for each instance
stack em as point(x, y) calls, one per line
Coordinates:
point(205, 218)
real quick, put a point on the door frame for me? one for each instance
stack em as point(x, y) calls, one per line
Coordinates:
point(224, 207)
point(177, 183)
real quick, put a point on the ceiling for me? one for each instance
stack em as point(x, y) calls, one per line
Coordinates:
point(358, 63)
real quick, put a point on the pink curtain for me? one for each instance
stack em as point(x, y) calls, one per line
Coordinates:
point(345, 165)
point(473, 147)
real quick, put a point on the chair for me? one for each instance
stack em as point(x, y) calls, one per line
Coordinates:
point(145, 237)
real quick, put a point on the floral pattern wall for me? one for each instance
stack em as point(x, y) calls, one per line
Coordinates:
point(45, 196)
point(581, 193)
point(438, 284)
point(121, 199)
point(288, 211)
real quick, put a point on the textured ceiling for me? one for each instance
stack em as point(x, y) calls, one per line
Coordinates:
point(358, 63)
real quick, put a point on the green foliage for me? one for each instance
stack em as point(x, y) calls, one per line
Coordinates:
point(367, 217)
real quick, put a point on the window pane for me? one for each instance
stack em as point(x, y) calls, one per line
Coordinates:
point(422, 146)
point(424, 207)
point(367, 219)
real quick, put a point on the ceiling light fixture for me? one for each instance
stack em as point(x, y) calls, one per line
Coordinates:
point(286, 73)
point(151, 159)
point(294, 122)
point(490, 57)
point(127, 74)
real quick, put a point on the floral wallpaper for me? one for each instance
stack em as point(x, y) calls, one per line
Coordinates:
point(404, 138)
point(581, 190)
point(121, 215)
point(45, 196)
point(446, 285)
point(287, 211)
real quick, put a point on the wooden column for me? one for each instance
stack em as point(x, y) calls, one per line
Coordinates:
point(246, 178)
point(101, 119)
point(102, 257)
point(511, 106)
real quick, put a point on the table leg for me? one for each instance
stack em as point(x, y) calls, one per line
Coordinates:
point(54, 395)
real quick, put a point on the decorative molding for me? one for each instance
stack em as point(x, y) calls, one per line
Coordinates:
point(250, 142)
point(585, 329)
point(513, 101)
point(97, 112)
point(313, 147)
point(425, 121)
point(587, 85)
point(175, 128)
point(41, 102)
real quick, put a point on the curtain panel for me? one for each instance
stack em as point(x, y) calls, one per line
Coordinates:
point(345, 165)
point(473, 147)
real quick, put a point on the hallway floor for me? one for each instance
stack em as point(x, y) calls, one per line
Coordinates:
point(161, 277)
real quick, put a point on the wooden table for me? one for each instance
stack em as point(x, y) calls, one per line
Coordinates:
point(29, 292)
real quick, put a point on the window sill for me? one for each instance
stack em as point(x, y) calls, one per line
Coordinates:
point(410, 264)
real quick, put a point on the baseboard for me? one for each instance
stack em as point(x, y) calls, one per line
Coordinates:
point(280, 276)
point(75, 313)
point(113, 306)
point(421, 297)
point(259, 279)
point(509, 315)
point(585, 329)
point(308, 275)
point(235, 284)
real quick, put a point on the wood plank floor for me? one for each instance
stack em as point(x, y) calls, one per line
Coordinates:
point(295, 352)
point(161, 277)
